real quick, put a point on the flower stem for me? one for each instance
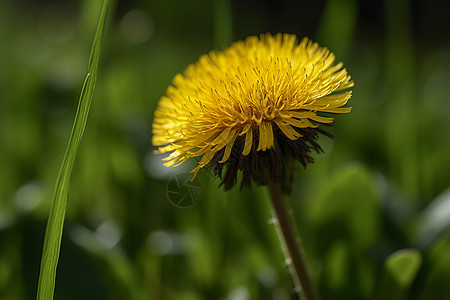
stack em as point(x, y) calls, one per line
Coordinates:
point(289, 243)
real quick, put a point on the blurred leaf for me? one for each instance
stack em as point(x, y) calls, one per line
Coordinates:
point(402, 114)
point(344, 219)
point(436, 271)
point(116, 265)
point(403, 266)
point(338, 24)
point(337, 265)
point(347, 208)
point(223, 28)
point(434, 220)
point(201, 258)
point(400, 269)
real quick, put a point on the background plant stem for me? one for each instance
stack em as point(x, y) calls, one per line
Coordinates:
point(289, 243)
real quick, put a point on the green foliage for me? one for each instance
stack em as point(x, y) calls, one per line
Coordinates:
point(400, 269)
point(345, 217)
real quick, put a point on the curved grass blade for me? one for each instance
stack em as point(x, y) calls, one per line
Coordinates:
point(55, 223)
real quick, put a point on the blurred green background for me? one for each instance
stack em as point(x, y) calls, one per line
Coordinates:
point(382, 185)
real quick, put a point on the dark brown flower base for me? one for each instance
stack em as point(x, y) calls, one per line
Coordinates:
point(275, 164)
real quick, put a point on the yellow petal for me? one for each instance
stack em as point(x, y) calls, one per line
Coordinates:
point(246, 128)
point(299, 114)
point(262, 137)
point(269, 135)
point(248, 142)
point(222, 137)
point(288, 130)
point(225, 142)
point(200, 151)
point(338, 110)
point(227, 152)
point(303, 123)
point(206, 158)
point(322, 119)
point(174, 161)
point(195, 171)
point(165, 149)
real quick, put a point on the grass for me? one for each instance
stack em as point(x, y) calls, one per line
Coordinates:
point(55, 223)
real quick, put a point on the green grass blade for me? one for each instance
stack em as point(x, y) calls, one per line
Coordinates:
point(55, 223)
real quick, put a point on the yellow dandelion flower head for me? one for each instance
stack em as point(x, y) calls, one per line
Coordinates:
point(248, 106)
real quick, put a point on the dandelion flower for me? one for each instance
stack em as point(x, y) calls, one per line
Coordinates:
point(251, 107)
